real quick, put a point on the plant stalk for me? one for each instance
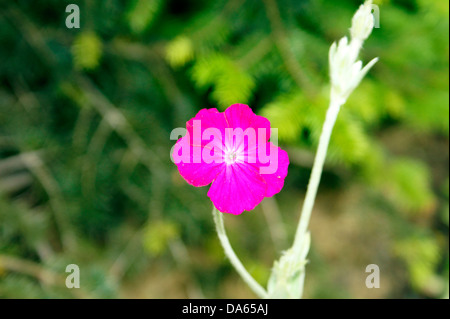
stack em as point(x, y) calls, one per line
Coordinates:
point(229, 252)
point(313, 185)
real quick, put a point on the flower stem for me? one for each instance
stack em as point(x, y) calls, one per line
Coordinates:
point(229, 252)
point(331, 116)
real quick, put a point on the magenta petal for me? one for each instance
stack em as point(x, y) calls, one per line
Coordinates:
point(193, 168)
point(271, 163)
point(208, 118)
point(231, 151)
point(242, 116)
point(275, 181)
point(237, 188)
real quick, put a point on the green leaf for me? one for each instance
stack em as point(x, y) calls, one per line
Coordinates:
point(285, 114)
point(230, 83)
point(421, 254)
point(410, 185)
point(179, 51)
point(157, 236)
point(142, 14)
point(87, 51)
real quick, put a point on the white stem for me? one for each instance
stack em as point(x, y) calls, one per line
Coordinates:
point(229, 252)
point(333, 110)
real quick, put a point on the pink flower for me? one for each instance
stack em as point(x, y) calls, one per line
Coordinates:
point(232, 151)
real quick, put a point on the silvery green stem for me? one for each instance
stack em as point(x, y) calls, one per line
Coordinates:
point(345, 74)
point(229, 252)
point(288, 274)
point(333, 110)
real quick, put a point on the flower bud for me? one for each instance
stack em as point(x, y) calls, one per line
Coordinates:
point(362, 22)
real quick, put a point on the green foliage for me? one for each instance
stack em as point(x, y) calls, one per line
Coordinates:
point(411, 185)
point(350, 143)
point(285, 114)
point(209, 32)
point(21, 228)
point(157, 236)
point(142, 13)
point(422, 258)
point(179, 51)
point(445, 211)
point(294, 114)
point(87, 51)
point(231, 83)
point(28, 288)
point(97, 105)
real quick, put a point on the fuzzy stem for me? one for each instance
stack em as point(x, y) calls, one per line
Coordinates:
point(229, 252)
point(331, 116)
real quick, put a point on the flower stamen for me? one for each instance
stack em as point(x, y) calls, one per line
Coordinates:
point(230, 158)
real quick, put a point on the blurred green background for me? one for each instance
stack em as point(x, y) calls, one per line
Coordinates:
point(85, 172)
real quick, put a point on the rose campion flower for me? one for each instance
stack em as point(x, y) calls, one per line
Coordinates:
point(232, 151)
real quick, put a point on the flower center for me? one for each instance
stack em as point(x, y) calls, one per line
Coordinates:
point(230, 158)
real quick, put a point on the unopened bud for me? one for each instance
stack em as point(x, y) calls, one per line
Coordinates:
point(362, 22)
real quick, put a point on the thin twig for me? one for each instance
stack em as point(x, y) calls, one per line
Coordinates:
point(16, 162)
point(90, 162)
point(35, 165)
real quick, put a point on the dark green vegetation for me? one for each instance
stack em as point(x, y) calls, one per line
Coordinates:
point(85, 172)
